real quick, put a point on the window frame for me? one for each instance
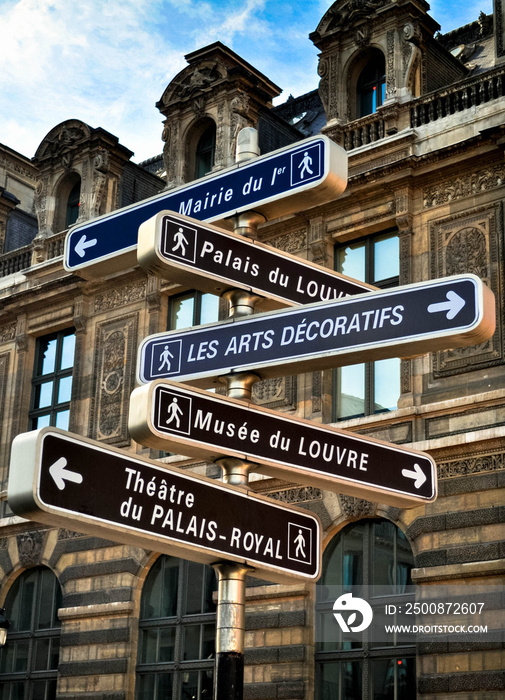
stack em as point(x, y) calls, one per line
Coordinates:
point(369, 403)
point(177, 668)
point(197, 296)
point(56, 376)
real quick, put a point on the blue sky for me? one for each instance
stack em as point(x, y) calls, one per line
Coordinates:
point(107, 62)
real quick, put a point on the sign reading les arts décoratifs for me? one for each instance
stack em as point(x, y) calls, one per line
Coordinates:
point(209, 259)
point(400, 322)
point(193, 422)
point(69, 481)
point(288, 180)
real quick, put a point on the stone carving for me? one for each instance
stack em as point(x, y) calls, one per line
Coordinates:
point(290, 242)
point(111, 299)
point(355, 507)
point(115, 350)
point(301, 494)
point(196, 79)
point(473, 464)
point(4, 373)
point(461, 244)
point(275, 392)
point(8, 333)
point(390, 67)
point(316, 392)
point(30, 547)
point(464, 186)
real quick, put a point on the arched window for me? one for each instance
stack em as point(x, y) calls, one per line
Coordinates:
point(371, 559)
point(177, 631)
point(29, 660)
point(205, 151)
point(73, 205)
point(371, 85)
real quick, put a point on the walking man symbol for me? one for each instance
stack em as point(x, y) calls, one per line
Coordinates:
point(305, 164)
point(165, 362)
point(300, 545)
point(180, 242)
point(174, 412)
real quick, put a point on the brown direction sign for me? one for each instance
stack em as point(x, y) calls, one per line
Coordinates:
point(399, 322)
point(69, 481)
point(196, 423)
point(209, 259)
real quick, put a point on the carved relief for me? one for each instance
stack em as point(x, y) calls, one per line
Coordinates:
point(302, 494)
point(8, 333)
point(30, 547)
point(275, 392)
point(4, 373)
point(115, 350)
point(316, 392)
point(355, 507)
point(390, 61)
point(111, 299)
point(290, 242)
point(462, 244)
point(464, 186)
point(472, 464)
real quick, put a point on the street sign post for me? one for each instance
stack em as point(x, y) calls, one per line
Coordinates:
point(288, 180)
point(69, 481)
point(204, 257)
point(193, 422)
point(399, 322)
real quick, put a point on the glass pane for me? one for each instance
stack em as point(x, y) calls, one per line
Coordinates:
point(54, 655)
point(21, 656)
point(167, 644)
point(26, 600)
point(145, 687)
point(181, 312)
point(194, 585)
point(45, 607)
point(386, 384)
point(351, 391)
point(386, 258)
point(209, 605)
point(41, 654)
point(351, 261)
point(189, 686)
point(7, 658)
point(191, 642)
point(42, 421)
point(332, 563)
point(64, 389)
point(164, 687)
point(12, 691)
point(351, 677)
point(210, 308)
point(43, 395)
point(149, 644)
point(67, 352)
point(47, 356)
point(208, 641)
point(383, 679)
point(159, 597)
point(353, 556)
point(383, 557)
point(404, 562)
point(62, 420)
point(206, 684)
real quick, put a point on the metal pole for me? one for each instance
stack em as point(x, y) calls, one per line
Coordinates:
point(230, 623)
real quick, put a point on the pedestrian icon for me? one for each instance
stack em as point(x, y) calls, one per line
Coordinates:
point(174, 413)
point(165, 358)
point(306, 165)
point(178, 241)
point(299, 543)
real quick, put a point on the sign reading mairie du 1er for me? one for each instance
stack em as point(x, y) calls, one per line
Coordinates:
point(291, 179)
point(73, 482)
point(177, 418)
point(400, 322)
point(209, 259)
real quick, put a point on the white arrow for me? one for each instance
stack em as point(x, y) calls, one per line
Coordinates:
point(60, 474)
point(453, 305)
point(417, 474)
point(83, 244)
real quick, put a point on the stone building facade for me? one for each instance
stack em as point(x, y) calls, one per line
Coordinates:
point(422, 118)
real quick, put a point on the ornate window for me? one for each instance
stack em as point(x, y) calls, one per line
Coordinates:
point(192, 309)
point(73, 202)
point(371, 84)
point(177, 630)
point(52, 380)
point(205, 151)
point(371, 387)
point(29, 660)
point(371, 559)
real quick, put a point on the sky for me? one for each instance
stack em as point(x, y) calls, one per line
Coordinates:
point(107, 62)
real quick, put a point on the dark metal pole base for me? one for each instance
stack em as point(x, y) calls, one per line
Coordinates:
point(229, 681)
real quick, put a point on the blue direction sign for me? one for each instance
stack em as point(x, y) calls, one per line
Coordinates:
point(196, 423)
point(400, 322)
point(291, 179)
point(73, 482)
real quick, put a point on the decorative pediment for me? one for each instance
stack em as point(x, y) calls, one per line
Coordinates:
point(192, 80)
point(344, 13)
point(63, 138)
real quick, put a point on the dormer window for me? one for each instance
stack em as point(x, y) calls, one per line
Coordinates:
point(371, 85)
point(73, 205)
point(205, 151)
